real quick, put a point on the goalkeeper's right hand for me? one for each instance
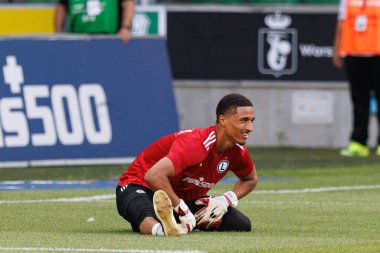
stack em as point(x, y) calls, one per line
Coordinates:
point(186, 217)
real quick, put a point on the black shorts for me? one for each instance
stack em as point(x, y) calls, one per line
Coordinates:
point(135, 203)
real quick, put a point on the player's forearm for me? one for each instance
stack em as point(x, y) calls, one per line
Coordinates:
point(59, 18)
point(337, 59)
point(128, 12)
point(337, 36)
point(158, 178)
point(245, 186)
point(160, 182)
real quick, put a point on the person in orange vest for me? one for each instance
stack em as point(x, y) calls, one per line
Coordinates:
point(357, 48)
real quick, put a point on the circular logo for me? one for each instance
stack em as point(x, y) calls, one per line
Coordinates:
point(222, 166)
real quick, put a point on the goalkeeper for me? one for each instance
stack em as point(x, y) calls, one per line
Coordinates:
point(177, 171)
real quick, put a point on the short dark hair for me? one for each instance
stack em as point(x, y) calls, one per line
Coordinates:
point(229, 103)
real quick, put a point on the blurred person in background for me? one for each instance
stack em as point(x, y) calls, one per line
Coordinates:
point(178, 170)
point(95, 17)
point(357, 48)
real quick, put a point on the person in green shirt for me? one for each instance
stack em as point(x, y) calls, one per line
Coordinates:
point(95, 17)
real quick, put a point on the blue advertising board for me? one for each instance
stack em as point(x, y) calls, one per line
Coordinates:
point(73, 101)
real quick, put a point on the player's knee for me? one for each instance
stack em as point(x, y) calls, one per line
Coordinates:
point(244, 223)
point(235, 221)
point(246, 226)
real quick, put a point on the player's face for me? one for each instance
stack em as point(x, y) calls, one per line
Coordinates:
point(240, 124)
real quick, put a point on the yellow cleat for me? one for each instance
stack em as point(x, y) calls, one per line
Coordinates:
point(355, 149)
point(164, 211)
point(378, 150)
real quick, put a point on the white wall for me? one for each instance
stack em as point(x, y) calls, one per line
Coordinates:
point(276, 122)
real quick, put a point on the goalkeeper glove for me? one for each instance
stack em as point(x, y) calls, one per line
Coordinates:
point(229, 198)
point(210, 216)
point(186, 217)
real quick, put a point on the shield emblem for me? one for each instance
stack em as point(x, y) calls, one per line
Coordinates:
point(277, 46)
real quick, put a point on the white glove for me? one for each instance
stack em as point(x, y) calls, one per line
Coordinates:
point(210, 216)
point(186, 217)
point(229, 198)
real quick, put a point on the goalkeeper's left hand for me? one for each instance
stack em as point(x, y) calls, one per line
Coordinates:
point(186, 217)
point(210, 216)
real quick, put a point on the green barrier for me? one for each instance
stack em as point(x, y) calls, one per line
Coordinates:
point(265, 1)
point(38, 1)
point(221, 1)
point(321, 2)
point(275, 1)
point(331, 2)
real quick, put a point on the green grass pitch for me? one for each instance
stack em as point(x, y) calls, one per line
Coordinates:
point(325, 203)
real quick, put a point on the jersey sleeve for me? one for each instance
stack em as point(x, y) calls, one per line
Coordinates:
point(185, 152)
point(245, 166)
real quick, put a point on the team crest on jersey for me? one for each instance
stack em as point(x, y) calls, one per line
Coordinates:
point(222, 166)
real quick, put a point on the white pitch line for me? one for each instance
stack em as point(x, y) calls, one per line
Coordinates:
point(99, 250)
point(46, 182)
point(111, 196)
point(309, 203)
point(321, 189)
point(76, 199)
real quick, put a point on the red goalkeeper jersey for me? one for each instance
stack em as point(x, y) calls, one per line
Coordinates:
point(197, 162)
